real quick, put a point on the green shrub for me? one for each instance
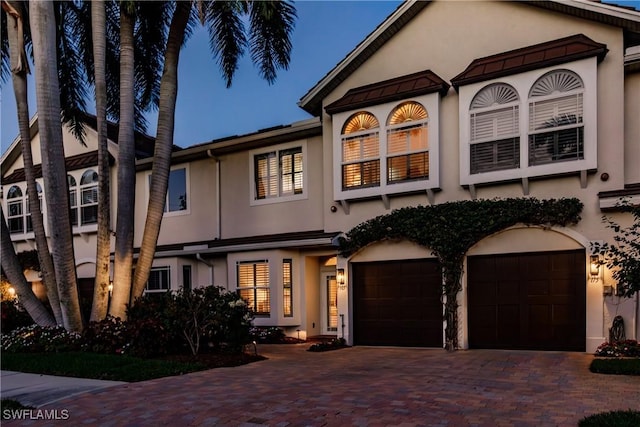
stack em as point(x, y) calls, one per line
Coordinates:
point(109, 335)
point(267, 334)
point(35, 339)
point(334, 344)
point(627, 348)
point(147, 338)
point(612, 419)
point(13, 316)
point(615, 366)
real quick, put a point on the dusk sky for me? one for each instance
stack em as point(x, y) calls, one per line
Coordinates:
point(326, 31)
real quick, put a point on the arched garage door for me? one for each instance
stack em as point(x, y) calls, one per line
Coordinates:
point(397, 303)
point(527, 301)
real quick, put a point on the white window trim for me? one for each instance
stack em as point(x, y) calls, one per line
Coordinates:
point(270, 286)
point(79, 228)
point(253, 200)
point(166, 268)
point(187, 174)
point(522, 83)
point(431, 102)
point(24, 201)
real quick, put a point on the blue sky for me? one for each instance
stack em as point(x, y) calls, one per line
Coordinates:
point(326, 31)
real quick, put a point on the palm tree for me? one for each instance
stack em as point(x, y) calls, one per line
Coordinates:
point(103, 247)
point(271, 24)
point(19, 71)
point(43, 26)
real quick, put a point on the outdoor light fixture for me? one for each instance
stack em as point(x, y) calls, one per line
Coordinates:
point(110, 287)
point(594, 269)
point(340, 277)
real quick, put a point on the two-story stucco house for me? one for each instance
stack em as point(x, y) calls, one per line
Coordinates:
point(438, 104)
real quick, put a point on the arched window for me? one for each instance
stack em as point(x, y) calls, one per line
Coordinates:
point(89, 198)
point(28, 208)
point(361, 151)
point(407, 143)
point(73, 200)
point(556, 128)
point(494, 129)
point(15, 210)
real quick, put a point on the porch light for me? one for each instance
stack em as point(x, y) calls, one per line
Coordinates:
point(340, 277)
point(110, 287)
point(594, 269)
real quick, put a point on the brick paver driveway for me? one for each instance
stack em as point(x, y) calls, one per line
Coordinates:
point(364, 386)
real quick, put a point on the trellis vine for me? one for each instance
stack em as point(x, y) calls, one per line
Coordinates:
point(451, 229)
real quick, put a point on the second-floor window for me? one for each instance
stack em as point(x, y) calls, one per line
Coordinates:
point(176, 200)
point(15, 210)
point(407, 143)
point(73, 200)
point(89, 197)
point(361, 151)
point(279, 173)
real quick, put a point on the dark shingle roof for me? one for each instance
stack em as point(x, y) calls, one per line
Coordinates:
point(79, 161)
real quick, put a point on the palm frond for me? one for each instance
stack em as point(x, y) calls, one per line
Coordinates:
point(226, 35)
point(272, 23)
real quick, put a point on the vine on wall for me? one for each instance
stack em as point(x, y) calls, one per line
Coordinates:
point(451, 229)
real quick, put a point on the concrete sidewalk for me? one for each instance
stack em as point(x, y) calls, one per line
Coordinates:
point(38, 390)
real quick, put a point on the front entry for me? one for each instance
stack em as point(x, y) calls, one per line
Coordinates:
point(329, 304)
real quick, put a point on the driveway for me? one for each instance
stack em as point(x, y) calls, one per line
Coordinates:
point(365, 386)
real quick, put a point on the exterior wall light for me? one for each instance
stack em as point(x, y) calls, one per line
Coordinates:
point(340, 278)
point(594, 268)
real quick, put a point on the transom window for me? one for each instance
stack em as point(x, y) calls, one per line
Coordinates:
point(253, 285)
point(361, 151)
point(159, 280)
point(89, 197)
point(556, 128)
point(407, 143)
point(495, 129)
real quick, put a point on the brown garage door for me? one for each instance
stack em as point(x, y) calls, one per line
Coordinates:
point(527, 301)
point(397, 303)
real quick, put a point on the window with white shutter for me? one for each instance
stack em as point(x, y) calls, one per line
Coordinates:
point(361, 152)
point(407, 143)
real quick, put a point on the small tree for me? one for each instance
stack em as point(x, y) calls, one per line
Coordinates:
point(623, 256)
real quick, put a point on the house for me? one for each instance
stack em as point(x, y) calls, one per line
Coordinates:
point(438, 104)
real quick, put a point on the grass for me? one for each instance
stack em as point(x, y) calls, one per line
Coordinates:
point(615, 366)
point(97, 366)
point(612, 419)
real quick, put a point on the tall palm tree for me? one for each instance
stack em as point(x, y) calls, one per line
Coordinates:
point(103, 247)
point(19, 70)
point(271, 24)
point(13, 270)
point(43, 33)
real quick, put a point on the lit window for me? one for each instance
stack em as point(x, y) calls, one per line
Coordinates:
point(73, 200)
point(407, 143)
point(361, 152)
point(495, 129)
point(556, 128)
point(89, 198)
point(15, 210)
point(287, 287)
point(253, 285)
point(159, 280)
point(279, 173)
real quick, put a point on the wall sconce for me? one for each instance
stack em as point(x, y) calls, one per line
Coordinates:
point(594, 268)
point(340, 278)
point(110, 287)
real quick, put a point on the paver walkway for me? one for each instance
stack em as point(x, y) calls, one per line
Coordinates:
point(364, 386)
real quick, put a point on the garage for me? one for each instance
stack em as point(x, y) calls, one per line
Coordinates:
point(397, 303)
point(530, 301)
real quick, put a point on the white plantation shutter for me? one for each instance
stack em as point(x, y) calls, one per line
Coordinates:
point(495, 124)
point(555, 112)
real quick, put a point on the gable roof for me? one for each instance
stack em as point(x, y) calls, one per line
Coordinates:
point(311, 102)
point(415, 84)
point(529, 58)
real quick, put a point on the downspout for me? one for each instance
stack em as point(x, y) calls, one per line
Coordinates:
point(216, 195)
point(208, 264)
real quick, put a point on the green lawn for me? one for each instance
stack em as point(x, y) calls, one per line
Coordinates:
point(96, 366)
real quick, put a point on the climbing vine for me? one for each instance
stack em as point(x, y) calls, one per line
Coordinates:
point(451, 229)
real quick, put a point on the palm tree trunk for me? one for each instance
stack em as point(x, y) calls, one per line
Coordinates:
point(53, 159)
point(20, 69)
point(103, 250)
point(123, 262)
point(164, 143)
point(13, 270)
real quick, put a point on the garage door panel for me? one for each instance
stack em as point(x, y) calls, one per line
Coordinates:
point(404, 309)
point(541, 305)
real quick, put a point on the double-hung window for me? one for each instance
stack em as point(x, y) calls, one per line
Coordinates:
point(15, 210)
point(29, 223)
point(494, 129)
point(278, 174)
point(73, 200)
point(253, 285)
point(556, 128)
point(361, 152)
point(176, 199)
point(89, 198)
point(159, 280)
point(287, 287)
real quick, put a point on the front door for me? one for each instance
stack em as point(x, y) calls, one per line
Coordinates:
point(329, 301)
